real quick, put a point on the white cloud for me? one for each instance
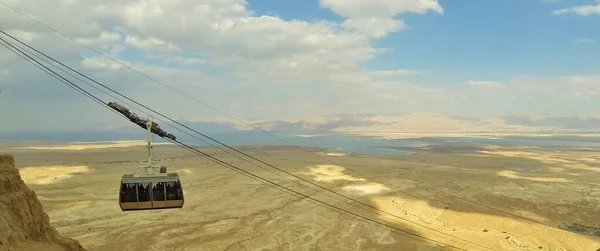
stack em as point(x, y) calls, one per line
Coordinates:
point(582, 10)
point(103, 38)
point(394, 73)
point(584, 41)
point(485, 84)
point(255, 48)
point(380, 8)
point(187, 61)
point(373, 26)
point(376, 17)
point(152, 45)
point(584, 86)
point(100, 64)
point(25, 36)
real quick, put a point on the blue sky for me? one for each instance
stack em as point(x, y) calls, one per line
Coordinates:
point(266, 59)
point(485, 39)
point(493, 39)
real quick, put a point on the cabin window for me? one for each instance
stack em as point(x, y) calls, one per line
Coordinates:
point(128, 193)
point(158, 191)
point(174, 191)
point(144, 192)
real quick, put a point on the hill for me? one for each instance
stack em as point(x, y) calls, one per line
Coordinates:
point(24, 224)
point(391, 126)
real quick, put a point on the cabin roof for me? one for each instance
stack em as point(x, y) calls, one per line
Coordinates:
point(128, 178)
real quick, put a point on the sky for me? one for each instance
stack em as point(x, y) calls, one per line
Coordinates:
point(268, 59)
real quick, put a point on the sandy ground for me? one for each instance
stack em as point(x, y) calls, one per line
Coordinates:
point(490, 199)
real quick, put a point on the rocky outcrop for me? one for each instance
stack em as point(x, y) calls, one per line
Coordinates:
point(23, 223)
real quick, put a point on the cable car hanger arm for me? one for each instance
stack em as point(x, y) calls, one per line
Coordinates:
point(143, 123)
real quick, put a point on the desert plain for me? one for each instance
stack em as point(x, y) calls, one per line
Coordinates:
point(440, 197)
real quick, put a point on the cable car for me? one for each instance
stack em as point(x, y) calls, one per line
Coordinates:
point(151, 187)
point(150, 192)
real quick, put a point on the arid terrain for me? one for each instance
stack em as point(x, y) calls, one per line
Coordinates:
point(472, 197)
point(23, 223)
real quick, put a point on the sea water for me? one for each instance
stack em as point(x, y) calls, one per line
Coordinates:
point(333, 143)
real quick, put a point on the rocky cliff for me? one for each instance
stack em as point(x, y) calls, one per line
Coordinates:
point(23, 223)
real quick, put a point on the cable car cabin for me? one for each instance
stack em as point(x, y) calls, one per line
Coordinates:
point(151, 187)
point(138, 193)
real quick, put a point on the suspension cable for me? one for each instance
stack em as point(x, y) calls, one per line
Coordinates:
point(89, 95)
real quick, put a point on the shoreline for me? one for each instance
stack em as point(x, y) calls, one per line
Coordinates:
point(359, 144)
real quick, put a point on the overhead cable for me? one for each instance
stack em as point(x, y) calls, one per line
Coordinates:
point(320, 202)
point(236, 150)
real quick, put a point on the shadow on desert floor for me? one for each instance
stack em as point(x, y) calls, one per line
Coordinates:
point(515, 209)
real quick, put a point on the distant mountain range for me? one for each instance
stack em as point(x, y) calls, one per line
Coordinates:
point(359, 124)
point(419, 122)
